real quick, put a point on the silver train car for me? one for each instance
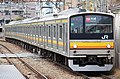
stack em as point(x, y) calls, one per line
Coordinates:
point(1, 32)
point(83, 41)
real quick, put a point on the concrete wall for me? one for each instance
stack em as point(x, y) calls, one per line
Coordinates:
point(117, 38)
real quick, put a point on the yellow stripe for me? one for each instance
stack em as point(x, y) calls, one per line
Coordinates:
point(65, 20)
point(50, 22)
point(49, 41)
point(29, 37)
point(35, 23)
point(54, 42)
point(40, 22)
point(58, 21)
point(60, 43)
point(40, 39)
point(91, 44)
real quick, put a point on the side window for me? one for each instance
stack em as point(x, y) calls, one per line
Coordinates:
point(63, 30)
point(28, 29)
point(46, 31)
point(60, 32)
point(40, 30)
point(54, 35)
point(49, 33)
point(35, 31)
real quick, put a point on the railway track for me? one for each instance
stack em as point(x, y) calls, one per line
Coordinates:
point(83, 76)
point(100, 76)
point(37, 73)
point(87, 76)
point(7, 58)
point(107, 77)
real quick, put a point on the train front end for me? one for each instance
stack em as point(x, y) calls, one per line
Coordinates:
point(91, 44)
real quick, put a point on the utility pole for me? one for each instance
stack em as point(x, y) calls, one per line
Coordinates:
point(4, 13)
point(10, 11)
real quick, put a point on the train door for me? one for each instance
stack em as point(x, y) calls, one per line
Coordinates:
point(14, 31)
point(34, 34)
point(27, 28)
point(60, 36)
point(17, 31)
point(38, 28)
point(42, 30)
point(21, 32)
point(31, 33)
point(49, 36)
point(45, 36)
point(54, 36)
point(40, 35)
point(24, 32)
point(37, 34)
point(64, 37)
point(28, 35)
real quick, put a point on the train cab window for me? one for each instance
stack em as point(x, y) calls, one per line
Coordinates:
point(60, 32)
point(76, 24)
point(98, 24)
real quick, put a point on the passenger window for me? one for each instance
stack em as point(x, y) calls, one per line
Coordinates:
point(60, 32)
point(54, 35)
point(40, 30)
point(34, 30)
point(46, 31)
point(49, 32)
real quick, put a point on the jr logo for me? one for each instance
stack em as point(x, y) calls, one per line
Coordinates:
point(105, 37)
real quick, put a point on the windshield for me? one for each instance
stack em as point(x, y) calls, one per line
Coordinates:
point(77, 24)
point(91, 26)
point(98, 24)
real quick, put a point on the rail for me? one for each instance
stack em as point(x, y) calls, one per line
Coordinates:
point(39, 75)
point(107, 77)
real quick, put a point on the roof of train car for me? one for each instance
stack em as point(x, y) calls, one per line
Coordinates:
point(66, 14)
point(61, 15)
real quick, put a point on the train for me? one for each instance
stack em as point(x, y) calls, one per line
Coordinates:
point(2, 32)
point(82, 41)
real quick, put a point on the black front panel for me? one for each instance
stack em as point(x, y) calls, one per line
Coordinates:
point(91, 26)
point(84, 36)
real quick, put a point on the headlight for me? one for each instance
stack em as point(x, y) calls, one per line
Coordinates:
point(74, 46)
point(108, 46)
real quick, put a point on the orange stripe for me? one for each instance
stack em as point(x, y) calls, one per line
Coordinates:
point(92, 44)
point(91, 47)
